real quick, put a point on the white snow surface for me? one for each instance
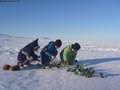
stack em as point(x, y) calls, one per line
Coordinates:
point(104, 56)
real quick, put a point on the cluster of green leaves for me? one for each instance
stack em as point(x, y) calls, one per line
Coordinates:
point(80, 70)
point(77, 70)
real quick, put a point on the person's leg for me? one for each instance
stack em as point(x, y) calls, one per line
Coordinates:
point(27, 62)
point(20, 64)
point(45, 61)
point(21, 58)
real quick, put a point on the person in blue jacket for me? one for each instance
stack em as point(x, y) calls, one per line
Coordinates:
point(49, 52)
point(27, 54)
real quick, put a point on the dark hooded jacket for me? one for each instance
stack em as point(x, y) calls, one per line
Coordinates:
point(29, 50)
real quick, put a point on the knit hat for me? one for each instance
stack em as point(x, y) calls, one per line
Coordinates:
point(76, 46)
point(58, 43)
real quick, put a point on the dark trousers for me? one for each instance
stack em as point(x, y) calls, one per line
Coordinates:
point(45, 60)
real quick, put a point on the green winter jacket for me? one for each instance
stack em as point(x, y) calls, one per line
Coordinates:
point(67, 55)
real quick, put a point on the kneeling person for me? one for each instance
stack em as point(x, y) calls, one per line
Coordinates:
point(68, 54)
point(27, 54)
point(49, 52)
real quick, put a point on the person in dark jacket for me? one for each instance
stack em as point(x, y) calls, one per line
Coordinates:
point(27, 54)
point(49, 52)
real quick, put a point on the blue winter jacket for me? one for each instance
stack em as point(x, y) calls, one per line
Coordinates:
point(48, 51)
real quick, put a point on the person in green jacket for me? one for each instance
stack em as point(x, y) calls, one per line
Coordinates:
point(68, 54)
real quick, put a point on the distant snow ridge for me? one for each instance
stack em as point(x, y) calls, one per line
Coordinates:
point(108, 49)
point(105, 49)
point(101, 46)
point(3, 35)
point(101, 49)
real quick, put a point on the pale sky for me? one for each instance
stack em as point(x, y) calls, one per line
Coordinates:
point(64, 19)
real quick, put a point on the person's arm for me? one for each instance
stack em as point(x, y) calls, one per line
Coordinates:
point(35, 57)
point(54, 54)
point(73, 59)
point(74, 55)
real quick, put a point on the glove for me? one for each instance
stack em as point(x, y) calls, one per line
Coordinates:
point(76, 60)
point(52, 57)
point(66, 63)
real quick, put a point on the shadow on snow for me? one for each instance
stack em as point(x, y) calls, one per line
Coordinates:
point(98, 61)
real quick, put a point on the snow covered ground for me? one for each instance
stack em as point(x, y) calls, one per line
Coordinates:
point(104, 56)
